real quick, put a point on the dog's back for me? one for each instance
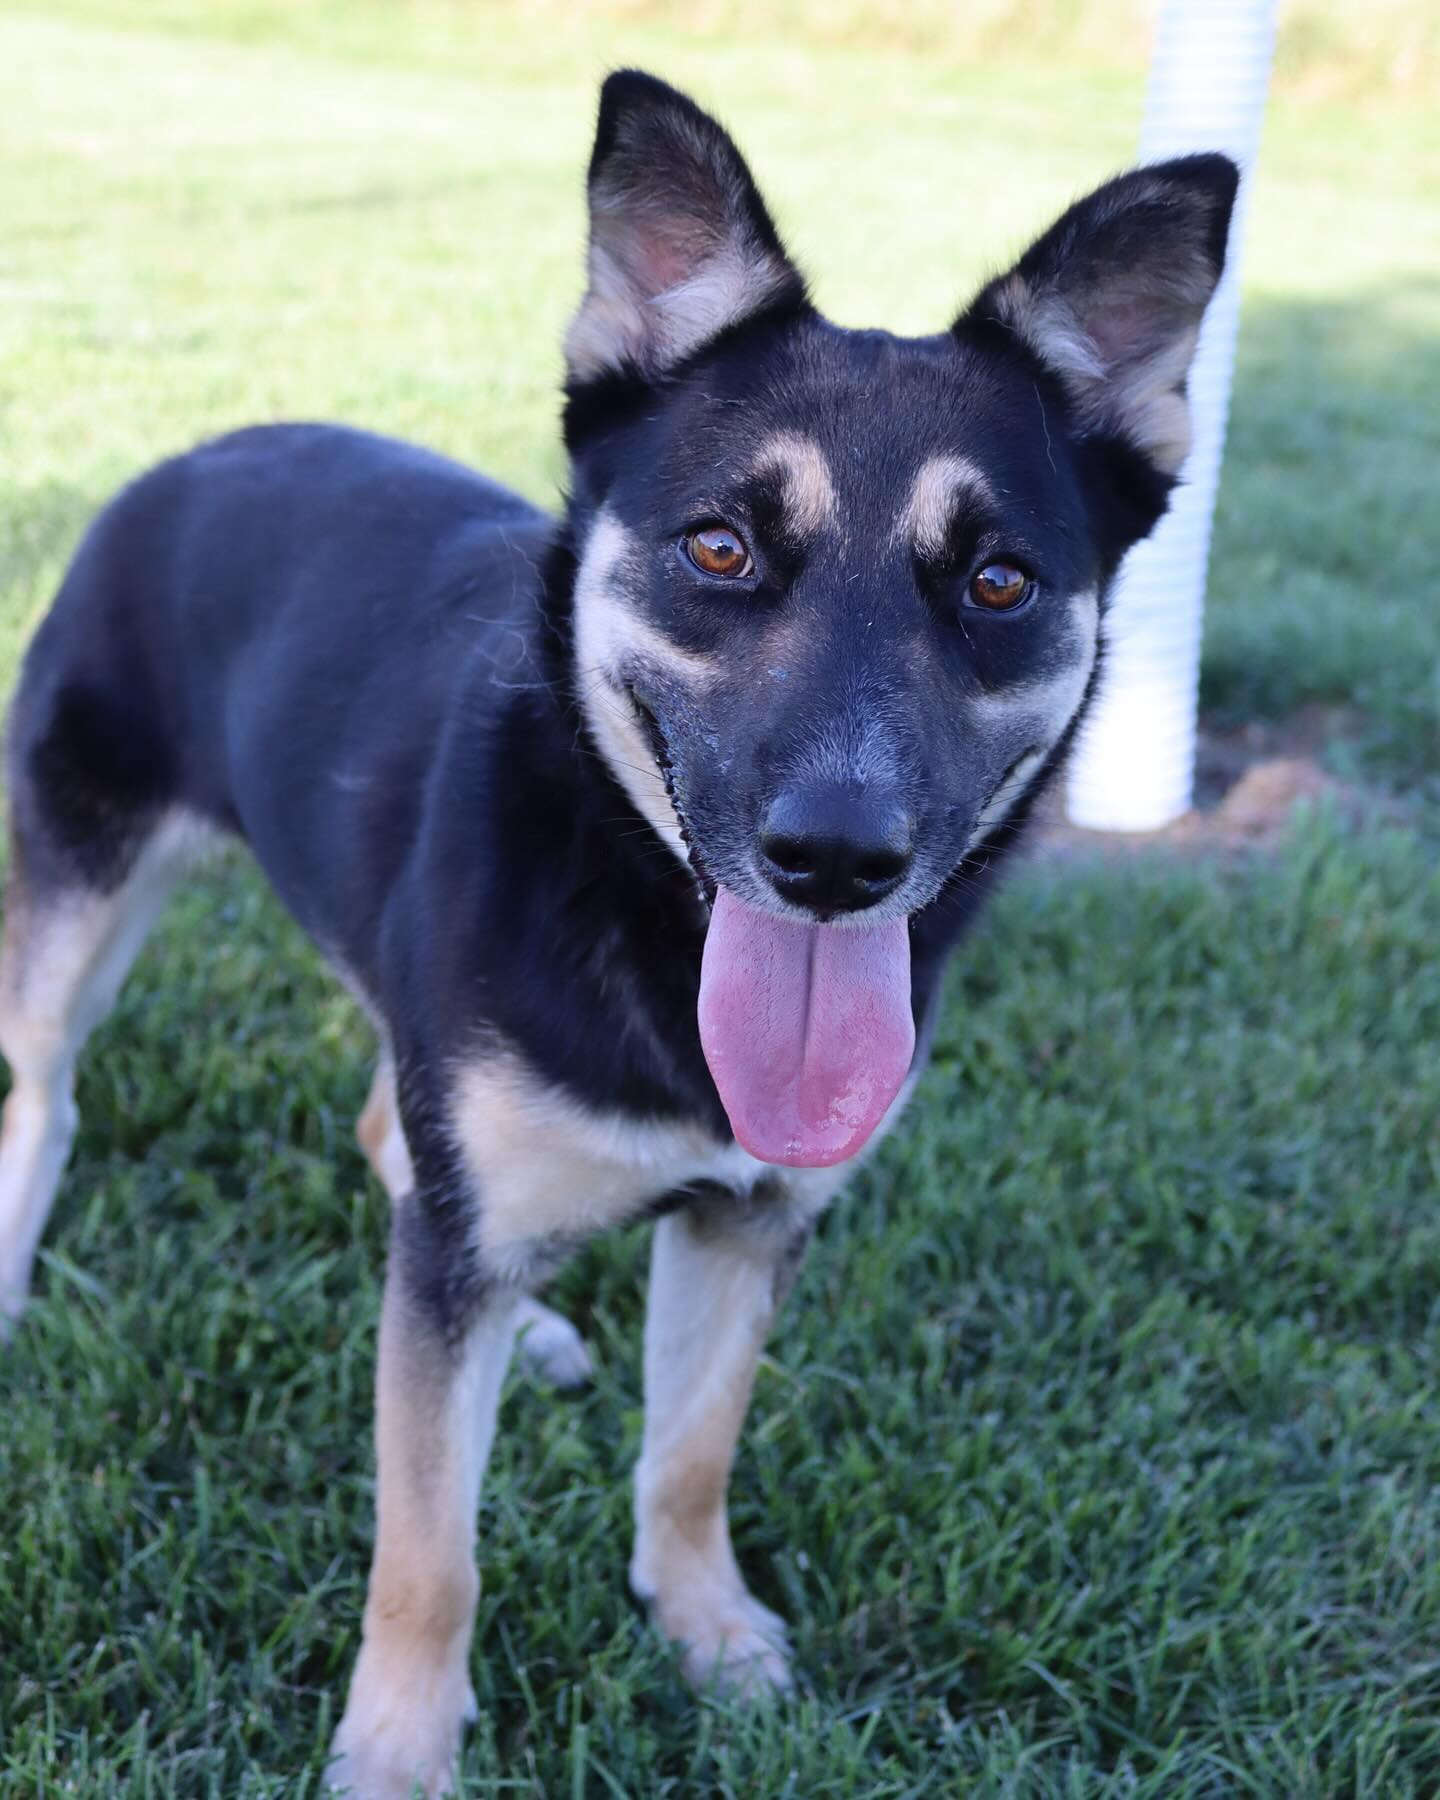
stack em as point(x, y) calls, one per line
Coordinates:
point(249, 634)
point(301, 586)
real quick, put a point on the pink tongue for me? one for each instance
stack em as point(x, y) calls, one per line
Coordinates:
point(807, 1029)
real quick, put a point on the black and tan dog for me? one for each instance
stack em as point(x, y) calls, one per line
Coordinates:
point(643, 835)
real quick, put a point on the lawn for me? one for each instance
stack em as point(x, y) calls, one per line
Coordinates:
point(1098, 1454)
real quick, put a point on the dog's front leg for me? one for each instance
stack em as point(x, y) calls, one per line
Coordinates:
point(717, 1276)
point(437, 1393)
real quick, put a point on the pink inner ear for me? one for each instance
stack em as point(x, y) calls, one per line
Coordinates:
point(1129, 331)
point(664, 267)
point(660, 256)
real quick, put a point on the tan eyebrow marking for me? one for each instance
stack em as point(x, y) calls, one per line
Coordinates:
point(808, 493)
point(927, 514)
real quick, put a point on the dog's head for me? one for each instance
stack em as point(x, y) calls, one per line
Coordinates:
point(839, 594)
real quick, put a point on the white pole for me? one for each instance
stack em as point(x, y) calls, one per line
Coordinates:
point(1134, 766)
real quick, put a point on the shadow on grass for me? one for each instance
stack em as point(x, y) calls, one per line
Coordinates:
point(1325, 577)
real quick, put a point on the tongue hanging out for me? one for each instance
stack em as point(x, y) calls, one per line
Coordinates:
point(807, 1029)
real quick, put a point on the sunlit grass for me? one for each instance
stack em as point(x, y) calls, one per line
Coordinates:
point(1097, 1454)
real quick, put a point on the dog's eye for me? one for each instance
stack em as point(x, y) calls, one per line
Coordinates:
point(999, 586)
point(717, 550)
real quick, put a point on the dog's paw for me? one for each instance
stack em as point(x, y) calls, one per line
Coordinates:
point(743, 1650)
point(392, 1747)
point(390, 1765)
point(551, 1347)
point(728, 1641)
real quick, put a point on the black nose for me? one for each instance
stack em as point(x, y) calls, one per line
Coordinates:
point(834, 851)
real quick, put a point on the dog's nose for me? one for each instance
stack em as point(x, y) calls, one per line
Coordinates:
point(833, 851)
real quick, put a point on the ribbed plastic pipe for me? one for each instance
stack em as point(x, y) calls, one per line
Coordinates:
point(1134, 766)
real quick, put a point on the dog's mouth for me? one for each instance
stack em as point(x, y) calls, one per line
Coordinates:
point(807, 1028)
point(660, 750)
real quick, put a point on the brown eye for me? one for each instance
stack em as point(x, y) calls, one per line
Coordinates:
point(717, 550)
point(999, 586)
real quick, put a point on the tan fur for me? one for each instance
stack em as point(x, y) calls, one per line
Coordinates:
point(1144, 400)
point(549, 1345)
point(1003, 801)
point(1040, 710)
point(541, 1166)
point(1157, 412)
point(548, 1167)
point(715, 1283)
point(665, 277)
point(941, 483)
point(616, 324)
point(61, 969)
point(435, 1411)
point(1048, 705)
point(609, 640)
point(808, 492)
point(380, 1136)
point(1050, 327)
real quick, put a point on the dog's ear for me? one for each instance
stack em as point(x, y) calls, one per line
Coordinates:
point(681, 246)
point(1111, 298)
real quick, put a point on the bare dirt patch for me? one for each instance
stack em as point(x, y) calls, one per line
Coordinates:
point(1249, 782)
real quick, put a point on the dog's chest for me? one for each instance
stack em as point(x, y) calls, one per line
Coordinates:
point(543, 1167)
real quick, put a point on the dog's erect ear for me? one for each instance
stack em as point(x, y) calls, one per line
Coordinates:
point(1111, 298)
point(681, 246)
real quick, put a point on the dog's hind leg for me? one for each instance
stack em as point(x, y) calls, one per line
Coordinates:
point(380, 1135)
point(548, 1344)
point(67, 949)
point(718, 1272)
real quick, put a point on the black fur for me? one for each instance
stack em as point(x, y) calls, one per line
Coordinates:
point(357, 657)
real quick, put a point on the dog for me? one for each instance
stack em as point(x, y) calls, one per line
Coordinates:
point(642, 834)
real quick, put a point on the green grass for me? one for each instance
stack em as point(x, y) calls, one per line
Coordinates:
point(1097, 1455)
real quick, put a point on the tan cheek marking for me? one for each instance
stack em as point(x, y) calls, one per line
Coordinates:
point(1002, 802)
point(808, 493)
point(1041, 708)
point(927, 515)
point(1049, 705)
point(609, 637)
